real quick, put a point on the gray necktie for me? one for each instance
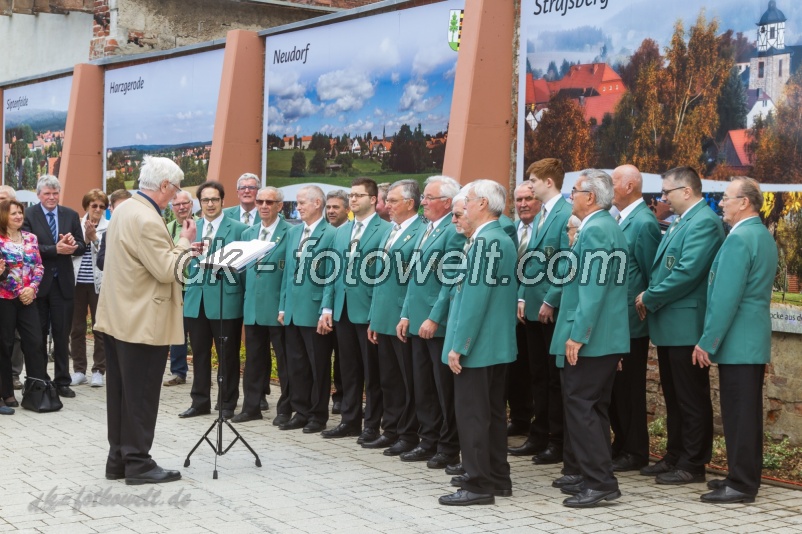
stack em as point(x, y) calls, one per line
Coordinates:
point(429, 229)
point(209, 230)
point(391, 237)
point(246, 218)
point(304, 238)
point(263, 234)
point(524, 242)
point(543, 214)
point(357, 235)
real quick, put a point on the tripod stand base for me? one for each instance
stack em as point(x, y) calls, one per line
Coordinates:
point(218, 448)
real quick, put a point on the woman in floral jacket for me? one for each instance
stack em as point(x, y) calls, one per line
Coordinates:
point(20, 273)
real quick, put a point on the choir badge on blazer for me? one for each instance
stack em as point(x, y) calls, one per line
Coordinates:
point(549, 252)
point(281, 264)
point(712, 276)
point(670, 260)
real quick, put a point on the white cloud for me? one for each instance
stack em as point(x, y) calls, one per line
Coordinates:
point(395, 77)
point(284, 85)
point(296, 108)
point(450, 73)
point(141, 136)
point(414, 97)
point(189, 115)
point(378, 58)
point(427, 59)
point(345, 90)
point(184, 81)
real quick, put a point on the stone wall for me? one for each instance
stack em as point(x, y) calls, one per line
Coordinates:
point(782, 391)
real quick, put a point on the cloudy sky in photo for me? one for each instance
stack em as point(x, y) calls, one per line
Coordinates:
point(364, 75)
point(176, 104)
point(52, 95)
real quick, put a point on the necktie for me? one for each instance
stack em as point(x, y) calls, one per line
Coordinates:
point(467, 245)
point(304, 238)
point(543, 214)
point(246, 218)
point(391, 237)
point(618, 218)
point(357, 235)
point(523, 243)
point(429, 230)
point(209, 230)
point(51, 221)
point(263, 234)
point(674, 224)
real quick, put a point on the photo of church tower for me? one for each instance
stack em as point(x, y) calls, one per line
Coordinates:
point(775, 62)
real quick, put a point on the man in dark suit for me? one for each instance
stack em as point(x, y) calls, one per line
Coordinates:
point(737, 336)
point(423, 325)
point(262, 329)
point(308, 352)
point(674, 306)
point(202, 309)
point(590, 337)
point(479, 343)
point(246, 211)
point(60, 236)
point(399, 421)
point(346, 304)
point(628, 405)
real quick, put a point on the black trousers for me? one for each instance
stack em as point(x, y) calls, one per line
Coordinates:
point(547, 425)
point(482, 423)
point(309, 372)
point(398, 390)
point(742, 415)
point(628, 406)
point(336, 375)
point(689, 412)
point(434, 396)
point(587, 388)
point(133, 385)
point(55, 313)
point(202, 333)
point(359, 368)
point(14, 315)
point(520, 395)
point(258, 363)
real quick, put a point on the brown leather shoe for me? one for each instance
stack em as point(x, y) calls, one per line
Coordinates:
point(175, 381)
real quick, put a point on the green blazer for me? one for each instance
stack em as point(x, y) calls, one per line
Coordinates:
point(358, 292)
point(509, 228)
point(301, 295)
point(482, 316)
point(205, 288)
point(263, 280)
point(233, 213)
point(737, 328)
point(677, 293)
point(175, 230)
point(643, 237)
point(427, 297)
point(552, 238)
point(388, 295)
point(593, 307)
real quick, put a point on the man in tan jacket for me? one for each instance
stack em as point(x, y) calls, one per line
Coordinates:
point(140, 313)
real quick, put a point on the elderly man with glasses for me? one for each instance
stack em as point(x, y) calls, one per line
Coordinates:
point(246, 212)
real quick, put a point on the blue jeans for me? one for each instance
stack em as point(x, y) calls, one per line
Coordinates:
point(178, 357)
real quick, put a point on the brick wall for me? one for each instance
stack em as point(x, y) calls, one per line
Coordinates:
point(101, 45)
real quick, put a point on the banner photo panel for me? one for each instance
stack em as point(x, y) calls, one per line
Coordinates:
point(35, 117)
point(366, 97)
point(163, 108)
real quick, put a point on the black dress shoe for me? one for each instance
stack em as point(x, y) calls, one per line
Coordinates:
point(660, 467)
point(678, 477)
point(193, 412)
point(726, 495)
point(628, 462)
point(336, 407)
point(551, 455)
point(313, 427)
point(263, 405)
point(459, 480)
point(296, 422)
point(11, 402)
point(114, 476)
point(156, 475)
point(567, 480)
point(244, 417)
point(382, 442)
point(442, 460)
point(466, 498)
point(399, 447)
point(455, 469)
point(572, 489)
point(505, 492)
point(367, 435)
point(418, 454)
point(529, 448)
point(588, 497)
point(715, 484)
point(280, 419)
point(517, 429)
point(228, 414)
point(65, 391)
point(340, 431)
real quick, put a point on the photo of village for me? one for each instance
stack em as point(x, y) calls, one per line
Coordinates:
point(166, 109)
point(35, 118)
point(718, 88)
point(343, 109)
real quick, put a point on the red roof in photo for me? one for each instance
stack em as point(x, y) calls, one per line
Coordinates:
point(735, 146)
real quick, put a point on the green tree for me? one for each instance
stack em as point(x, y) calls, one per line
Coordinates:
point(562, 133)
point(317, 164)
point(346, 159)
point(298, 166)
point(731, 105)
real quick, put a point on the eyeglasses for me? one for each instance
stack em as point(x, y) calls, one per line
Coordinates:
point(358, 195)
point(247, 188)
point(181, 204)
point(574, 191)
point(725, 198)
point(394, 201)
point(268, 202)
point(665, 192)
point(429, 198)
point(177, 189)
point(97, 206)
point(210, 200)
point(472, 199)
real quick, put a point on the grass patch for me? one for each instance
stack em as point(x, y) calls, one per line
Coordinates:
point(788, 298)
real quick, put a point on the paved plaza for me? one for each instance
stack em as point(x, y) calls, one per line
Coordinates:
point(52, 481)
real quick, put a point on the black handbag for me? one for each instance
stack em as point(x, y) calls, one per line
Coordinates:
point(40, 396)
